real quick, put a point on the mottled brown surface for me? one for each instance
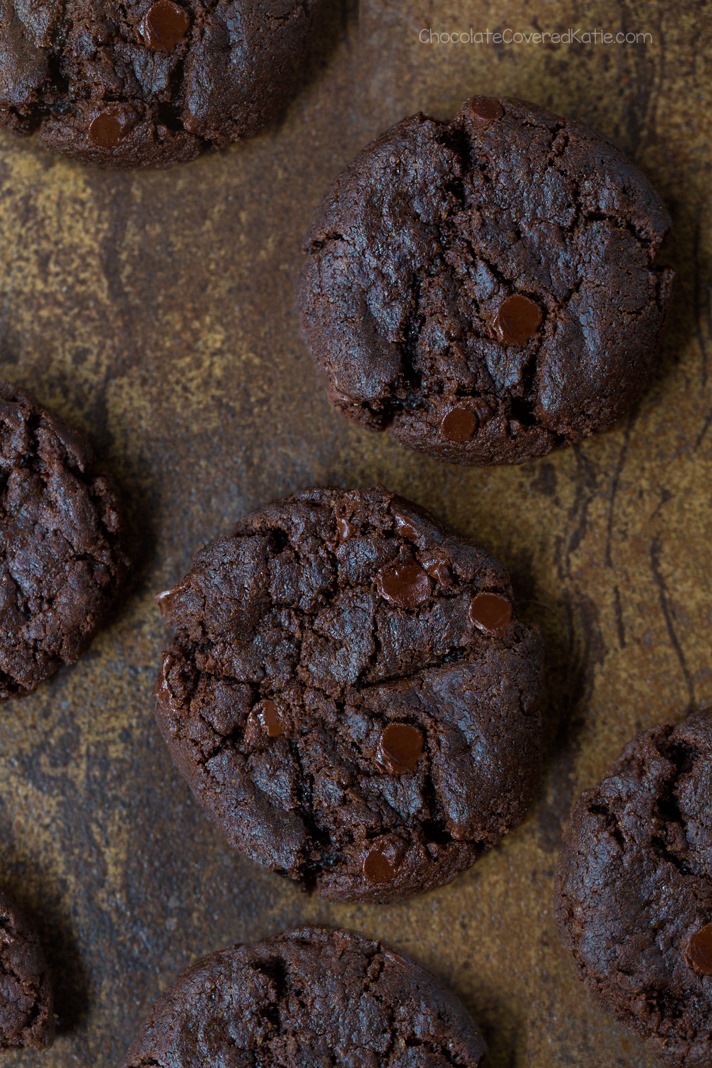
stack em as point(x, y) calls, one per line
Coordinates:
point(155, 311)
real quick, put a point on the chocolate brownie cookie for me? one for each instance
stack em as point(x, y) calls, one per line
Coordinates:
point(308, 998)
point(26, 1005)
point(148, 83)
point(486, 288)
point(350, 694)
point(634, 897)
point(62, 562)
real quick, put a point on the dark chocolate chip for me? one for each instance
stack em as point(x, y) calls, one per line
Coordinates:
point(699, 950)
point(344, 529)
point(400, 747)
point(404, 584)
point(491, 613)
point(517, 320)
point(269, 718)
point(438, 570)
point(164, 26)
point(106, 130)
point(486, 109)
point(405, 527)
point(459, 425)
point(378, 868)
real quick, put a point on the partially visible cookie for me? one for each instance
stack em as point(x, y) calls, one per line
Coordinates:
point(351, 695)
point(26, 1003)
point(61, 531)
point(634, 894)
point(316, 998)
point(487, 288)
point(148, 83)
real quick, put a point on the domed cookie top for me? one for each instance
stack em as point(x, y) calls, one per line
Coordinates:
point(308, 998)
point(148, 83)
point(486, 288)
point(61, 532)
point(350, 695)
point(26, 1004)
point(634, 896)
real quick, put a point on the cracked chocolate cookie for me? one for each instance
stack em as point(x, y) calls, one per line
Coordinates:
point(486, 288)
point(26, 1005)
point(148, 83)
point(61, 559)
point(311, 997)
point(350, 694)
point(634, 895)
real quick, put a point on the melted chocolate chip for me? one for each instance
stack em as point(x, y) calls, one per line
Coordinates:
point(438, 570)
point(344, 529)
point(106, 130)
point(164, 26)
point(400, 747)
point(517, 320)
point(405, 585)
point(269, 719)
point(404, 527)
point(378, 868)
point(485, 109)
point(491, 613)
point(458, 425)
point(699, 951)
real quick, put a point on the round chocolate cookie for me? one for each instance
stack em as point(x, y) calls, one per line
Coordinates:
point(316, 998)
point(486, 288)
point(26, 1004)
point(61, 532)
point(148, 83)
point(350, 695)
point(634, 896)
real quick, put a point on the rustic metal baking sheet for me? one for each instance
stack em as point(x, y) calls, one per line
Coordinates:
point(155, 311)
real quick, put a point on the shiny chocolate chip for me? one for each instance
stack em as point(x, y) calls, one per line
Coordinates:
point(517, 320)
point(486, 109)
point(344, 529)
point(269, 719)
point(699, 950)
point(404, 584)
point(106, 130)
point(405, 527)
point(164, 25)
point(459, 425)
point(378, 868)
point(491, 613)
point(400, 747)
